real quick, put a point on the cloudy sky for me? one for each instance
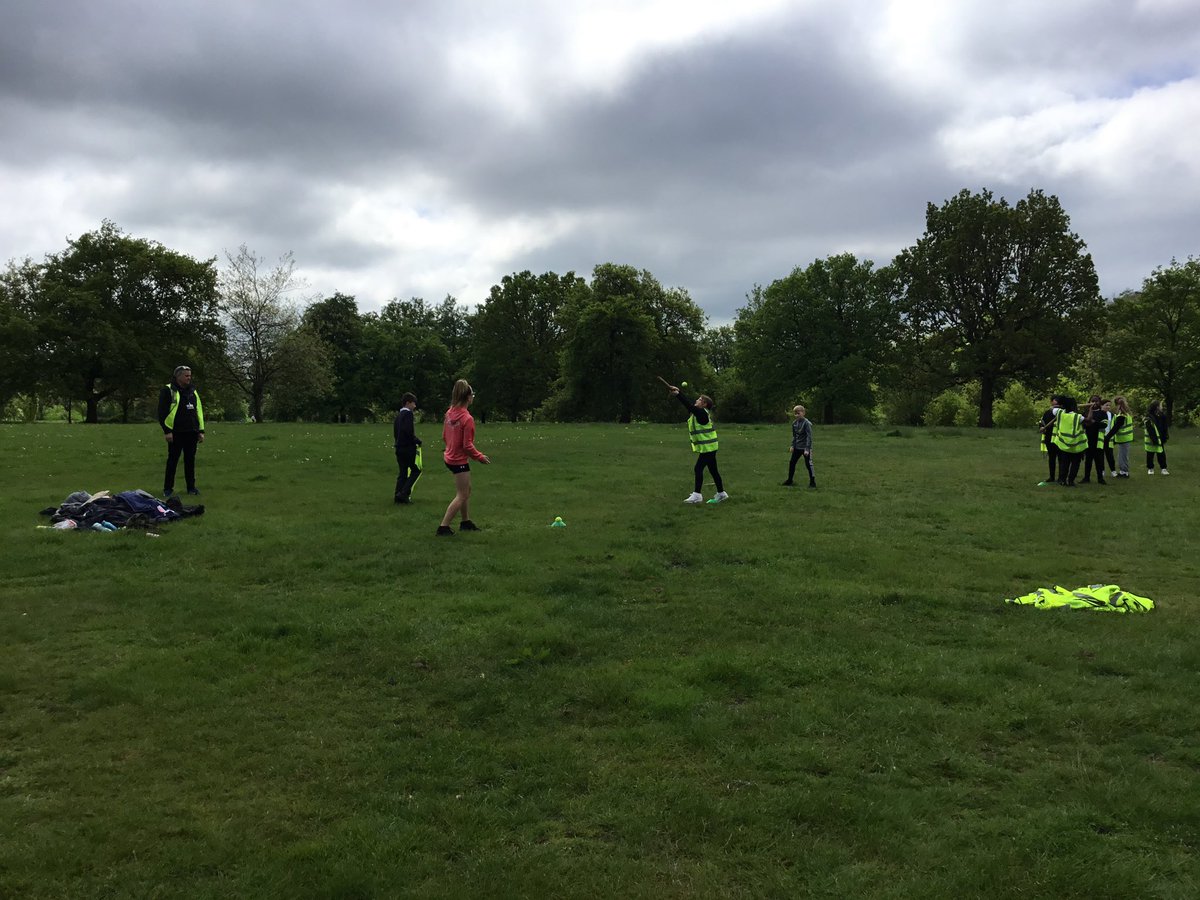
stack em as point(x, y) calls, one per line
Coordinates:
point(406, 148)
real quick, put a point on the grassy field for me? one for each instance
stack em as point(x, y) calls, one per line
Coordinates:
point(304, 693)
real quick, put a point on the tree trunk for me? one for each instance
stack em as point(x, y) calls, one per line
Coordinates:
point(93, 410)
point(987, 391)
point(827, 413)
point(256, 404)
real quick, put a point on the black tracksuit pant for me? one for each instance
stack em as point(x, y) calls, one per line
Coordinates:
point(798, 455)
point(182, 443)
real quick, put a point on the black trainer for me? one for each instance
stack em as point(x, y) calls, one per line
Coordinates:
point(468, 525)
point(195, 492)
point(787, 483)
point(812, 484)
point(445, 530)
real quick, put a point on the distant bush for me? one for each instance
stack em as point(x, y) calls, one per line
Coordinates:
point(947, 408)
point(1017, 408)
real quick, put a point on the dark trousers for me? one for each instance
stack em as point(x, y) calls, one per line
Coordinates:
point(1094, 455)
point(1111, 457)
point(1162, 459)
point(1068, 467)
point(798, 455)
point(1052, 455)
point(182, 442)
point(707, 461)
point(409, 473)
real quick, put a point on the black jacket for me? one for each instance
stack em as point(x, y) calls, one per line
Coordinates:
point(403, 435)
point(699, 412)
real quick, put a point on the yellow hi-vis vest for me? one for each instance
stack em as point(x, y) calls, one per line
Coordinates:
point(703, 437)
point(1150, 437)
point(169, 421)
point(1123, 434)
point(1069, 435)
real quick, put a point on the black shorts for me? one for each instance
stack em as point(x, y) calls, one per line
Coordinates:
point(459, 469)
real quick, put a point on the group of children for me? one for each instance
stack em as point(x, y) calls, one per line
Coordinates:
point(458, 435)
point(1098, 434)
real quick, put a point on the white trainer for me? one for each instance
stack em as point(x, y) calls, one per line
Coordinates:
point(1112, 474)
point(719, 497)
point(693, 497)
point(1149, 471)
point(1165, 472)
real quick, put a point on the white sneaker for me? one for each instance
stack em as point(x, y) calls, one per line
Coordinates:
point(1165, 472)
point(1112, 474)
point(693, 497)
point(1149, 471)
point(718, 497)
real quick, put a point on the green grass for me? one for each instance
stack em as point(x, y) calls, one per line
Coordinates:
point(304, 693)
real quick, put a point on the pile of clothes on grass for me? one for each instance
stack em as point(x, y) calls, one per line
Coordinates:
point(107, 512)
point(1102, 597)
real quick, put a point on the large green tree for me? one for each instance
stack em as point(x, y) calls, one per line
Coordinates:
point(518, 339)
point(1153, 340)
point(995, 293)
point(336, 321)
point(115, 313)
point(620, 332)
point(18, 334)
point(402, 350)
point(823, 333)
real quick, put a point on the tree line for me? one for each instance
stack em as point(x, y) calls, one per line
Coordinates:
point(994, 306)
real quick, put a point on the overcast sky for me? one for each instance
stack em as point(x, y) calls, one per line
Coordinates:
point(406, 148)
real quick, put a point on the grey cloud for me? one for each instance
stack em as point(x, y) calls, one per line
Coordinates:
point(716, 165)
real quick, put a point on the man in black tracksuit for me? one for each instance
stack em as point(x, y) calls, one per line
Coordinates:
point(406, 443)
point(181, 415)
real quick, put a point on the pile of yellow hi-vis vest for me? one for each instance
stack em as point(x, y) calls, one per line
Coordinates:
point(1103, 597)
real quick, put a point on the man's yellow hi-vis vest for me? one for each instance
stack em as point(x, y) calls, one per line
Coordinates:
point(169, 421)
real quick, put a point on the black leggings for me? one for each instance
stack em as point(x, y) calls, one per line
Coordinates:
point(798, 455)
point(707, 461)
point(1162, 459)
point(1052, 455)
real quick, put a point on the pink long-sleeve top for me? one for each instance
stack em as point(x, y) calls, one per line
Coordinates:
point(458, 433)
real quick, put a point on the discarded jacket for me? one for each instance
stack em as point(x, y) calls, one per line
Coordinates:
point(129, 509)
point(1103, 597)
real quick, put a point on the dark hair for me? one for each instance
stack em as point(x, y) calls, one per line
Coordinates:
point(1069, 404)
point(408, 397)
point(708, 404)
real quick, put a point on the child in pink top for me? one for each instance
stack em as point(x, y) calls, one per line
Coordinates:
point(458, 433)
